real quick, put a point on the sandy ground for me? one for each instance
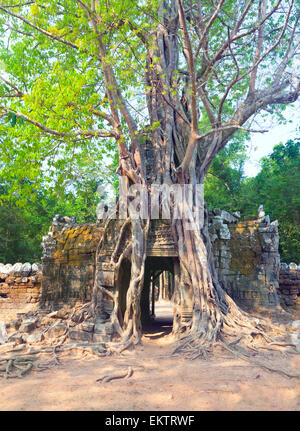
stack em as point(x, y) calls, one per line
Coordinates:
point(159, 382)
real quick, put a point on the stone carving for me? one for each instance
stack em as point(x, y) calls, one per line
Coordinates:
point(261, 215)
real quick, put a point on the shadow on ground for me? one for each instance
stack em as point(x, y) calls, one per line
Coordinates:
point(161, 324)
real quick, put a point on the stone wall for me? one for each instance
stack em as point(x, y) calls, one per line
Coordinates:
point(289, 287)
point(247, 259)
point(68, 262)
point(20, 288)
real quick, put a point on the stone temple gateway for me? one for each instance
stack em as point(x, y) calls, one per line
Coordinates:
point(246, 257)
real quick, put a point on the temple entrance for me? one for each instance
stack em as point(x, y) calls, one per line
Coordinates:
point(158, 296)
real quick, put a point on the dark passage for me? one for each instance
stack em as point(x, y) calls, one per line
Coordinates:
point(160, 324)
point(158, 297)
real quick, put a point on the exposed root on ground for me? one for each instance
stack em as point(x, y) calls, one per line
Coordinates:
point(108, 378)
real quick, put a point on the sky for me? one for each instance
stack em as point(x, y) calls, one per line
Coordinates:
point(261, 144)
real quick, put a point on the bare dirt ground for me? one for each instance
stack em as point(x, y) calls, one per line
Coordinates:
point(159, 382)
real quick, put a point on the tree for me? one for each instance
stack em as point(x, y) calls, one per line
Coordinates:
point(24, 220)
point(224, 179)
point(276, 187)
point(183, 76)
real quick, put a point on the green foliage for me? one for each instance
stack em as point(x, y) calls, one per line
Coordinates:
point(277, 186)
point(54, 107)
point(225, 177)
point(24, 220)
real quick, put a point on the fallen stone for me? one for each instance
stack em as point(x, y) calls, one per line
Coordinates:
point(59, 314)
point(34, 338)
point(34, 320)
point(16, 269)
point(56, 330)
point(16, 338)
point(25, 269)
point(101, 338)
point(78, 318)
point(14, 324)
point(27, 327)
point(76, 335)
point(87, 326)
point(293, 265)
point(36, 267)
point(63, 314)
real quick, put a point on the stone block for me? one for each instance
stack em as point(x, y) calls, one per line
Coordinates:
point(36, 267)
point(34, 338)
point(103, 328)
point(77, 335)
point(87, 326)
point(27, 327)
point(25, 269)
point(56, 330)
point(101, 338)
point(224, 232)
point(16, 338)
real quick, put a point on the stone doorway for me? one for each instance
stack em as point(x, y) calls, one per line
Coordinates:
point(159, 295)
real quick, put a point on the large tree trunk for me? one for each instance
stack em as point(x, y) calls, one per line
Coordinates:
point(179, 158)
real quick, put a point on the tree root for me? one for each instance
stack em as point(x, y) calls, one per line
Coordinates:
point(25, 362)
point(194, 346)
point(22, 364)
point(124, 375)
point(258, 363)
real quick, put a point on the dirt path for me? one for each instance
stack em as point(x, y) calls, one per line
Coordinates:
point(158, 382)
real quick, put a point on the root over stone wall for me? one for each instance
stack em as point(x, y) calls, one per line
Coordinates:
point(68, 262)
point(246, 257)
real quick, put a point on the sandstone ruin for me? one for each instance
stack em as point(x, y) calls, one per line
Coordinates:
point(246, 257)
point(47, 304)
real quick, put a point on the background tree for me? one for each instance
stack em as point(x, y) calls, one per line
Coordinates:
point(185, 76)
point(276, 186)
point(225, 176)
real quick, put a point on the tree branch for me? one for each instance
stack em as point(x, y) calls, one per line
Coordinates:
point(88, 133)
point(41, 30)
point(261, 15)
